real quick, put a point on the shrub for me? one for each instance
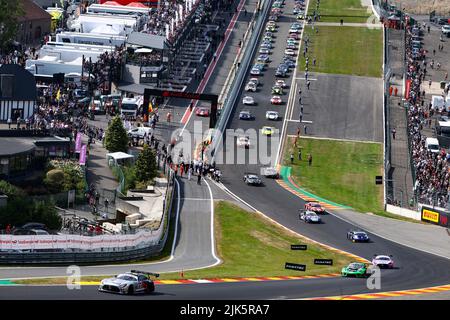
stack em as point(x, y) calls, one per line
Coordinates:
point(10, 190)
point(54, 180)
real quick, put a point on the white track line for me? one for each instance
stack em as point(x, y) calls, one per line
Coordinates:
point(213, 242)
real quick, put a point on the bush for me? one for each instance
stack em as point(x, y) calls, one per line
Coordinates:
point(54, 180)
point(10, 190)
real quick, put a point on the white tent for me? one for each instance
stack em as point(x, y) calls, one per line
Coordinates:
point(109, 29)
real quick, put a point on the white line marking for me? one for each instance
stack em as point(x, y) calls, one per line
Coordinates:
point(176, 222)
point(213, 242)
point(304, 121)
point(202, 281)
point(300, 78)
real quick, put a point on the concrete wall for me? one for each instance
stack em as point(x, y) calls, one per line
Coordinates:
point(403, 212)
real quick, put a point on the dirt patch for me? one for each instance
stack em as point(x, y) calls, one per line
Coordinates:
point(270, 240)
point(424, 6)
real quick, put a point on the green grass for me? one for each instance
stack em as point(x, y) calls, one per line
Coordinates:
point(249, 246)
point(343, 172)
point(335, 10)
point(345, 50)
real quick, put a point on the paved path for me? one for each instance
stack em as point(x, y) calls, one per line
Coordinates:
point(426, 237)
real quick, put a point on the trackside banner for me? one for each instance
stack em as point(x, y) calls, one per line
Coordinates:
point(13, 242)
point(435, 216)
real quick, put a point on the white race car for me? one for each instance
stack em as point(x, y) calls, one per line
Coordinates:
point(248, 100)
point(272, 115)
point(243, 141)
point(129, 283)
point(383, 261)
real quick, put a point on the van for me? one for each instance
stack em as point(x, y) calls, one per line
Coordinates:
point(432, 145)
point(139, 132)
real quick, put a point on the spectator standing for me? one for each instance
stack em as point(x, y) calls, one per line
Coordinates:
point(309, 159)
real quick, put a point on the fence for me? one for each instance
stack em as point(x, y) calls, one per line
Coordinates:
point(68, 249)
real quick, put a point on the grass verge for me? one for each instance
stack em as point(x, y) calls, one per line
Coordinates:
point(345, 50)
point(342, 172)
point(335, 10)
point(249, 246)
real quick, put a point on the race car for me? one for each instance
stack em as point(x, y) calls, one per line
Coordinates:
point(270, 172)
point(243, 141)
point(356, 269)
point(289, 52)
point(202, 112)
point(315, 207)
point(272, 115)
point(255, 71)
point(383, 261)
point(277, 90)
point(248, 100)
point(281, 83)
point(357, 236)
point(251, 86)
point(245, 115)
point(252, 179)
point(309, 217)
point(129, 283)
point(276, 100)
point(267, 131)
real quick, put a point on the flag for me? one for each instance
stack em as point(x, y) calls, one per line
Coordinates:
point(58, 95)
point(150, 107)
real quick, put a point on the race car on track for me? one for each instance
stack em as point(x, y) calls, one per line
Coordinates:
point(272, 115)
point(355, 269)
point(245, 115)
point(277, 90)
point(383, 261)
point(276, 100)
point(202, 112)
point(252, 179)
point(281, 83)
point(309, 217)
point(315, 207)
point(267, 131)
point(270, 172)
point(248, 100)
point(243, 141)
point(289, 52)
point(129, 283)
point(357, 236)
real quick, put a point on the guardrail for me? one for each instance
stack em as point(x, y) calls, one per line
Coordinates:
point(154, 242)
point(242, 70)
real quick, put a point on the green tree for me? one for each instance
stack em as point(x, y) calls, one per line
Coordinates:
point(10, 11)
point(116, 137)
point(145, 167)
point(10, 190)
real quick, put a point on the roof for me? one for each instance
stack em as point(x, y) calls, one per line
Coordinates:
point(147, 40)
point(33, 11)
point(24, 83)
point(119, 155)
point(12, 146)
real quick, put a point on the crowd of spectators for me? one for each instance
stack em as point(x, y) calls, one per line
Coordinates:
point(431, 169)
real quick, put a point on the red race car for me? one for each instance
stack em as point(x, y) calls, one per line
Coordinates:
point(276, 100)
point(202, 112)
point(315, 207)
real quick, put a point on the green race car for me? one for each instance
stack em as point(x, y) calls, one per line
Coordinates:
point(355, 269)
point(277, 90)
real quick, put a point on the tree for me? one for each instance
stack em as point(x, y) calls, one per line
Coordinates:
point(10, 190)
point(116, 137)
point(145, 166)
point(10, 11)
point(54, 180)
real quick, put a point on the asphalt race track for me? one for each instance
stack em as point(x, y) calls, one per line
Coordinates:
point(414, 269)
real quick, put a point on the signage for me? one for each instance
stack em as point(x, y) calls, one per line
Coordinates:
point(379, 180)
point(78, 142)
point(294, 266)
point(326, 262)
point(299, 246)
point(430, 215)
point(83, 155)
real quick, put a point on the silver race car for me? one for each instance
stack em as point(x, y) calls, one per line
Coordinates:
point(129, 283)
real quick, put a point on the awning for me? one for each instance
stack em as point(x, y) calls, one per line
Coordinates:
point(147, 40)
point(144, 50)
point(137, 5)
point(111, 3)
point(119, 155)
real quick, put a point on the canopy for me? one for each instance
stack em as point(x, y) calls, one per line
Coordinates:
point(144, 50)
point(111, 3)
point(119, 155)
point(108, 29)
